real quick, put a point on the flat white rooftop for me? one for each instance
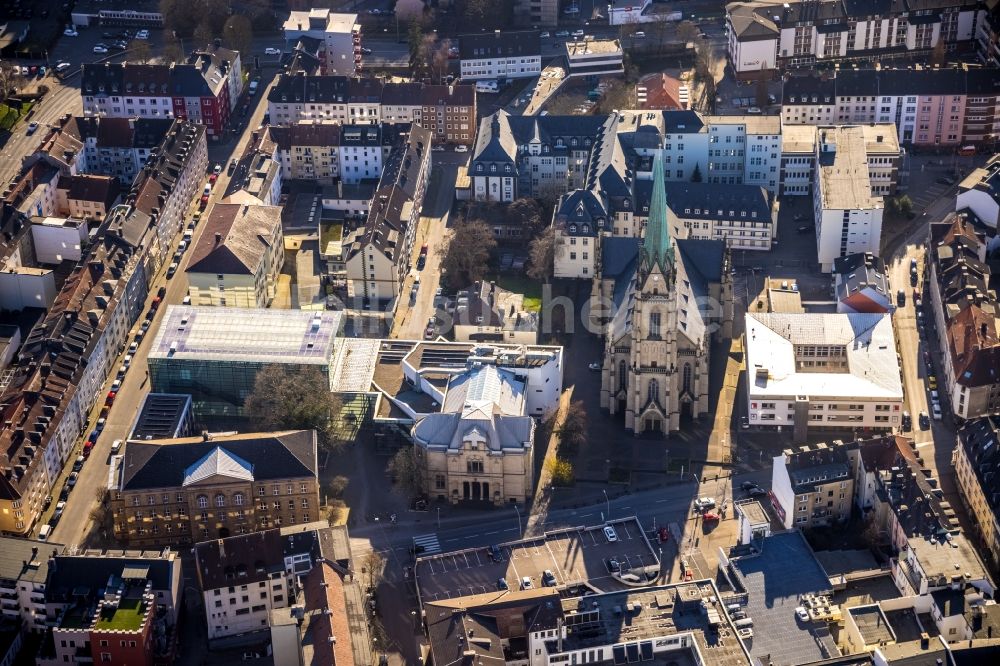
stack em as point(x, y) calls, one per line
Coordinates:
point(246, 334)
point(787, 355)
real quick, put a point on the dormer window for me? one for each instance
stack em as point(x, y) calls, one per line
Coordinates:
point(573, 142)
point(585, 228)
point(572, 228)
point(479, 168)
point(507, 168)
point(493, 168)
point(626, 203)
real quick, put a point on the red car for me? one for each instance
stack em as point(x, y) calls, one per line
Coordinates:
point(204, 201)
point(111, 398)
point(664, 535)
point(214, 177)
point(710, 517)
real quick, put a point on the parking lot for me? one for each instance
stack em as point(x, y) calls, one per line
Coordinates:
point(575, 556)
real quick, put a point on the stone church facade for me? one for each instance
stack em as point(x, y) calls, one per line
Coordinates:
point(671, 298)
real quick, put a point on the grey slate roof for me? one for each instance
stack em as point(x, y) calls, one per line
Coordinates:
point(163, 463)
point(70, 573)
point(580, 213)
point(500, 44)
point(486, 401)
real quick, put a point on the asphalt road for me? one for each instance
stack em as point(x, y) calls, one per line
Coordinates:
point(62, 98)
point(74, 527)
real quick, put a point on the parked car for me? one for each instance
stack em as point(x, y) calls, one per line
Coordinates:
point(907, 422)
point(32, 128)
point(610, 533)
point(71, 32)
point(116, 446)
point(502, 583)
point(63, 66)
point(562, 33)
point(171, 270)
point(461, 148)
point(100, 49)
point(548, 578)
point(365, 50)
point(802, 614)
point(270, 50)
point(704, 503)
point(73, 478)
point(710, 517)
point(595, 366)
point(925, 421)
point(744, 422)
point(526, 583)
point(936, 410)
point(578, 34)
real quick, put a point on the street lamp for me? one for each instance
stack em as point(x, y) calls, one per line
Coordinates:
point(518, 511)
point(439, 517)
point(607, 501)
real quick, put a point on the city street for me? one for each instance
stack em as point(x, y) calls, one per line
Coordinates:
point(455, 529)
point(74, 527)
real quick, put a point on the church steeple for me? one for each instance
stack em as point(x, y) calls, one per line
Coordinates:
point(656, 247)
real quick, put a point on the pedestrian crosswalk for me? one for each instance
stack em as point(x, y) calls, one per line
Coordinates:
point(426, 544)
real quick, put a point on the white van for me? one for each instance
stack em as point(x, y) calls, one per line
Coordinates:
point(486, 86)
point(743, 624)
point(44, 533)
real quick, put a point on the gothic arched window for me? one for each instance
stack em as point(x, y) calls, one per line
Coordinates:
point(687, 377)
point(622, 378)
point(653, 391)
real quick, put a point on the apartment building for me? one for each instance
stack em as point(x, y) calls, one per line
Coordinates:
point(502, 55)
point(848, 215)
point(977, 458)
point(931, 107)
point(517, 156)
point(979, 193)
point(60, 371)
point(822, 371)
point(745, 217)
point(377, 253)
point(199, 90)
point(338, 36)
point(257, 177)
point(861, 284)
point(24, 570)
point(112, 608)
point(449, 111)
point(765, 37)
point(536, 13)
point(164, 188)
point(916, 521)
point(244, 578)
point(102, 146)
point(965, 310)
point(188, 490)
point(814, 486)
point(87, 197)
point(308, 150)
point(238, 257)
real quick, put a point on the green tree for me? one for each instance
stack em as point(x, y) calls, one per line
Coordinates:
point(415, 40)
point(464, 257)
point(405, 468)
point(284, 400)
point(696, 174)
point(904, 205)
point(527, 214)
point(237, 34)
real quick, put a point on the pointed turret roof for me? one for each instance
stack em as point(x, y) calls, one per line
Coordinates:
point(657, 247)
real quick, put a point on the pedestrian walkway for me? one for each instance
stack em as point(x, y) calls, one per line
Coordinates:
point(428, 542)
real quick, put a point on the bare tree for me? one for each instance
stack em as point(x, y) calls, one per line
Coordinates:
point(283, 400)
point(405, 468)
point(465, 255)
point(687, 32)
point(10, 79)
point(237, 34)
point(541, 256)
point(139, 49)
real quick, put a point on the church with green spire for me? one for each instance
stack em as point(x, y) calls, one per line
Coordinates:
point(671, 299)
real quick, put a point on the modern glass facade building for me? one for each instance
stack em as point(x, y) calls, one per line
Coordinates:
point(215, 353)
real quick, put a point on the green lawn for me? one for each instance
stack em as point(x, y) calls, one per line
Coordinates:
point(128, 617)
point(520, 284)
